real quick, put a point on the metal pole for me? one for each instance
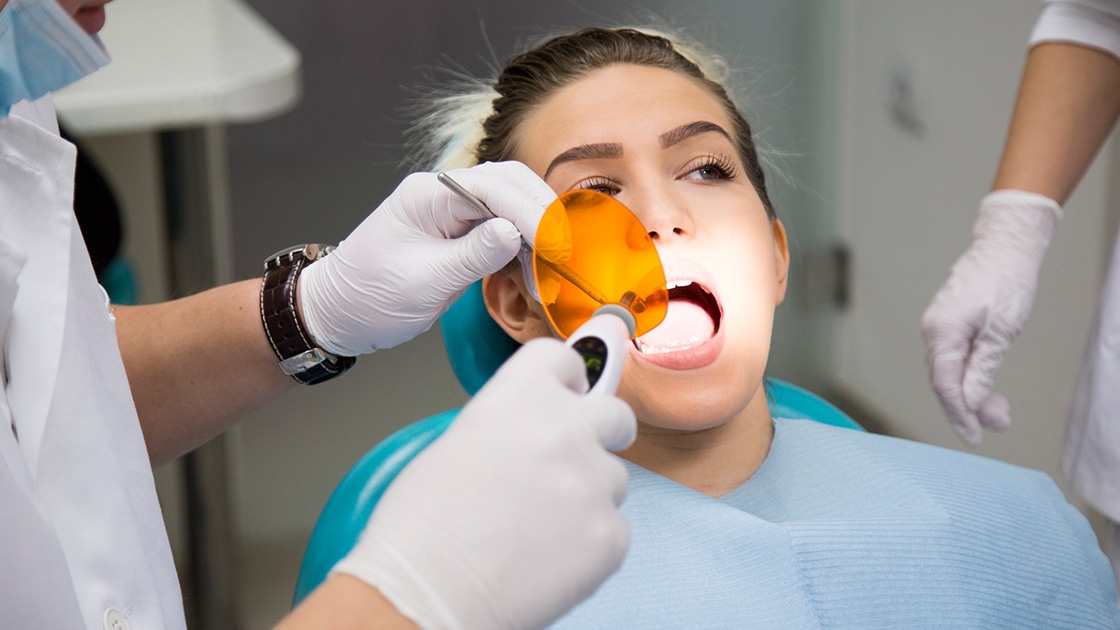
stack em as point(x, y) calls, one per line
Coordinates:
point(209, 588)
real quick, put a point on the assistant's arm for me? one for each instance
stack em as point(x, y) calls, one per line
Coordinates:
point(344, 602)
point(1069, 100)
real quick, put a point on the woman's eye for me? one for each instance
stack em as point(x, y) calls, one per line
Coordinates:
point(712, 169)
point(599, 184)
point(709, 172)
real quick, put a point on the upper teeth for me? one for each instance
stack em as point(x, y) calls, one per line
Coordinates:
point(678, 283)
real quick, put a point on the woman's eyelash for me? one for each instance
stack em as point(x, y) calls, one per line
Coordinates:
point(724, 167)
point(722, 164)
point(601, 184)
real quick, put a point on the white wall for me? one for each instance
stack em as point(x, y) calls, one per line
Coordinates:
point(908, 203)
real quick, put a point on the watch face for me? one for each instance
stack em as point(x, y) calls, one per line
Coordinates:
point(315, 251)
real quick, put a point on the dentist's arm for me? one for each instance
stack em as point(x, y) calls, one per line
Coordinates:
point(1069, 100)
point(197, 364)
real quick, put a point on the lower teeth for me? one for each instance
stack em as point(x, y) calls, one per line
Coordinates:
point(650, 350)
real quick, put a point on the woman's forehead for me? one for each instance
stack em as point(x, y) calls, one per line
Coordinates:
point(619, 104)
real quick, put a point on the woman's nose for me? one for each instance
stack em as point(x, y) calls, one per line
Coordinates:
point(664, 217)
point(655, 235)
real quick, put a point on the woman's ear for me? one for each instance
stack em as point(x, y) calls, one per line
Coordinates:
point(507, 302)
point(781, 258)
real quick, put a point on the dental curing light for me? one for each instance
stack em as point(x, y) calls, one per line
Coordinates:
point(598, 274)
point(602, 342)
point(605, 245)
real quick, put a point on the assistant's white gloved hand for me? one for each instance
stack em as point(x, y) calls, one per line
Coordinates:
point(976, 316)
point(415, 255)
point(511, 517)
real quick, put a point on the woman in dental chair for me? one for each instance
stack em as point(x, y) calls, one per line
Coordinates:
point(740, 519)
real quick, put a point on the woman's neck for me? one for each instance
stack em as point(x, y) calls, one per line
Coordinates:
point(711, 461)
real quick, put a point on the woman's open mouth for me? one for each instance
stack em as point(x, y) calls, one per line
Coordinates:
point(689, 337)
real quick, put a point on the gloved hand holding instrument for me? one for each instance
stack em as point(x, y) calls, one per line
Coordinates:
point(528, 525)
point(398, 271)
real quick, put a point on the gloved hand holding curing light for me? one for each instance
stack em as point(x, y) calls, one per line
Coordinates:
point(980, 310)
point(528, 525)
point(398, 271)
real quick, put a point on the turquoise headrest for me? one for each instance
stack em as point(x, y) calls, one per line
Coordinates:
point(476, 345)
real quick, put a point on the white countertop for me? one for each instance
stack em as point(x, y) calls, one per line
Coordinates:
point(183, 63)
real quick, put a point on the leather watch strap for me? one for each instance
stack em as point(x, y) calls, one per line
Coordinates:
point(299, 357)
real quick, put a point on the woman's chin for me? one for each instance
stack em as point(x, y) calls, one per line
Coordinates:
point(674, 402)
point(687, 415)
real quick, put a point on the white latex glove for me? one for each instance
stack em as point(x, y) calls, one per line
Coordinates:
point(511, 517)
point(976, 316)
point(415, 255)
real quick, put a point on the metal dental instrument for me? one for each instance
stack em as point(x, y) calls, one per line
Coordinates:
point(561, 269)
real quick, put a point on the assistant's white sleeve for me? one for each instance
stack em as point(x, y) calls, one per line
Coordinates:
point(1092, 23)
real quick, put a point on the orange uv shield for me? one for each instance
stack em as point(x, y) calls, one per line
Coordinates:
point(591, 250)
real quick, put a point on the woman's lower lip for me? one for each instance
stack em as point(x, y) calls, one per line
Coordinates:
point(691, 359)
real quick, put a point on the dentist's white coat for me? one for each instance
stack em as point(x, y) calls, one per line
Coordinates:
point(82, 540)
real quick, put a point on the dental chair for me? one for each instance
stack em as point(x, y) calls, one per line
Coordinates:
point(476, 347)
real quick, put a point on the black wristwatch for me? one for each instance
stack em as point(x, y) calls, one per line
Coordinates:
point(299, 357)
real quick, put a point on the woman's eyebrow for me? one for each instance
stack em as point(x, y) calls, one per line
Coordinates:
point(687, 130)
point(601, 150)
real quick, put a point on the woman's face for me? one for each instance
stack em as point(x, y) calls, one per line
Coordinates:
point(661, 144)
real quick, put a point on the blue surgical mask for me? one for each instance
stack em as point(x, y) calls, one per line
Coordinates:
point(41, 50)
